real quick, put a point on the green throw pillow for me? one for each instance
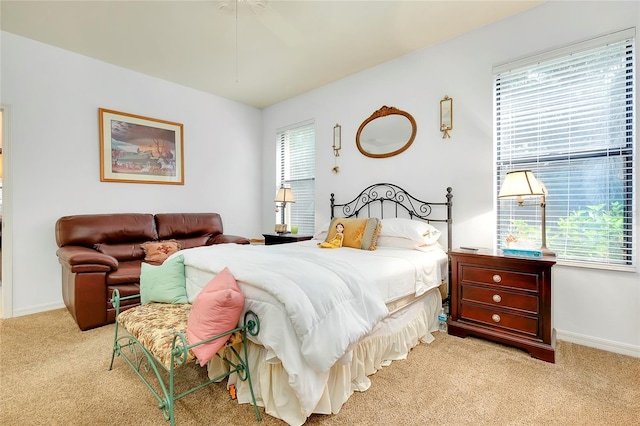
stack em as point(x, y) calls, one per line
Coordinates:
point(164, 283)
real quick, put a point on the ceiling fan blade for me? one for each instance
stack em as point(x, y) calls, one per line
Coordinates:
point(270, 18)
point(279, 26)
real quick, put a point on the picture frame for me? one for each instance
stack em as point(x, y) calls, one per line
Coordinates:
point(446, 116)
point(137, 149)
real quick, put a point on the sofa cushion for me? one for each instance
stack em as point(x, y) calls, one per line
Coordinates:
point(124, 290)
point(198, 241)
point(116, 228)
point(164, 283)
point(185, 225)
point(126, 251)
point(127, 273)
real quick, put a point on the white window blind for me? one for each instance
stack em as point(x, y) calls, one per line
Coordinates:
point(296, 170)
point(569, 117)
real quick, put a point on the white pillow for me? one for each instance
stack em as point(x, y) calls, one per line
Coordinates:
point(322, 232)
point(396, 242)
point(415, 230)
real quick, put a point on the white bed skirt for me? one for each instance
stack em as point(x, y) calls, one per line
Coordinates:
point(391, 340)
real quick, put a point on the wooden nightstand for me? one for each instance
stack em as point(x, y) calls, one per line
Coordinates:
point(503, 298)
point(271, 239)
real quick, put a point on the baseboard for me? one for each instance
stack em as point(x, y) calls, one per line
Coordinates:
point(594, 342)
point(37, 309)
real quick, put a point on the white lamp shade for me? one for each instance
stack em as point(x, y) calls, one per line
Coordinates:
point(285, 195)
point(521, 183)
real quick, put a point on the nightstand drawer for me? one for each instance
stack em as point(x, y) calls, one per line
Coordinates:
point(519, 280)
point(497, 296)
point(499, 319)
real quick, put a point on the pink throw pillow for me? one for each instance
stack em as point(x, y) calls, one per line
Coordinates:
point(216, 310)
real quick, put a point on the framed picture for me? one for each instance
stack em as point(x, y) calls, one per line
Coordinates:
point(140, 149)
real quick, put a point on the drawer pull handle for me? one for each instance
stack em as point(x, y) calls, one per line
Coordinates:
point(495, 318)
point(497, 278)
point(497, 298)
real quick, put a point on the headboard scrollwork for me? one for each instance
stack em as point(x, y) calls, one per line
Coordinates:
point(379, 194)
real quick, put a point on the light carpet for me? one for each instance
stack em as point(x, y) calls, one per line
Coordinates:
point(51, 373)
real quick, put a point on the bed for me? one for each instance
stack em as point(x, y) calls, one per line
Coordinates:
point(330, 318)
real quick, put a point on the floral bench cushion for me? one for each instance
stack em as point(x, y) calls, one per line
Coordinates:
point(155, 324)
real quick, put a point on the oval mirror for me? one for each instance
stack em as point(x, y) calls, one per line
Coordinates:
point(387, 132)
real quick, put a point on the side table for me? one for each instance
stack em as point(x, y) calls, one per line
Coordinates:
point(271, 239)
point(506, 299)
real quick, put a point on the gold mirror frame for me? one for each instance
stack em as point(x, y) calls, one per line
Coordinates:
point(384, 112)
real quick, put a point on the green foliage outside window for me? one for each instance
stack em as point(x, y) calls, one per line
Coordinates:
point(595, 232)
point(525, 232)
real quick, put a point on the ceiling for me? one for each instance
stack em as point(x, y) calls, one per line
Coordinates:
point(258, 53)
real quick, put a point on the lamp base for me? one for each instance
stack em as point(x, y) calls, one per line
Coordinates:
point(547, 252)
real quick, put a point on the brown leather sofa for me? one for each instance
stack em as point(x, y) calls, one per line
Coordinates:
point(102, 252)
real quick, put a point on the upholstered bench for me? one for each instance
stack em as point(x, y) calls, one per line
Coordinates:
point(155, 325)
point(154, 339)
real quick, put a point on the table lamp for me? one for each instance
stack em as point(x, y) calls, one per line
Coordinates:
point(521, 184)
point(284, 196)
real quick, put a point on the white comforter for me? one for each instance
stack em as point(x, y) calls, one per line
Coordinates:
point(313, 304)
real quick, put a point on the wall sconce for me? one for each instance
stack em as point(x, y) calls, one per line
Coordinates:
point(284, 196)
point(520, 184)
point(337, 140)
point(337, 145)
point(446, 116)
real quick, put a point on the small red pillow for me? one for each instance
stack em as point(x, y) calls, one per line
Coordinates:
point(156, 252)
point(216, 310)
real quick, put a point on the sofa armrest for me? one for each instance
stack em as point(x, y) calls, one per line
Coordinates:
point(83, 259)
point(225, 238)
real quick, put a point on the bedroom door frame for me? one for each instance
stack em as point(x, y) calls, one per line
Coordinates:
point(7, 215)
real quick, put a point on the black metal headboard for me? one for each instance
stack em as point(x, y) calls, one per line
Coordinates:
point(380, 193)
point(400, 200)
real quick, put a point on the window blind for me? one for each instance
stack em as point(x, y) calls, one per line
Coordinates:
point(296, 169)
point(570, 119)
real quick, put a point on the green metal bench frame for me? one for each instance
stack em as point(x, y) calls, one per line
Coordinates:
point(139, 358)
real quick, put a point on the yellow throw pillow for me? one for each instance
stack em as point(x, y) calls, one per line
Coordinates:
point(358, 233)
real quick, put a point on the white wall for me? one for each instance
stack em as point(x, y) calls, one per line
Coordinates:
point(53, 98)
point(592, 307)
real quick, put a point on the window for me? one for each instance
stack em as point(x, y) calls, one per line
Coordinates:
point(568, 116)
point(295, 169)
